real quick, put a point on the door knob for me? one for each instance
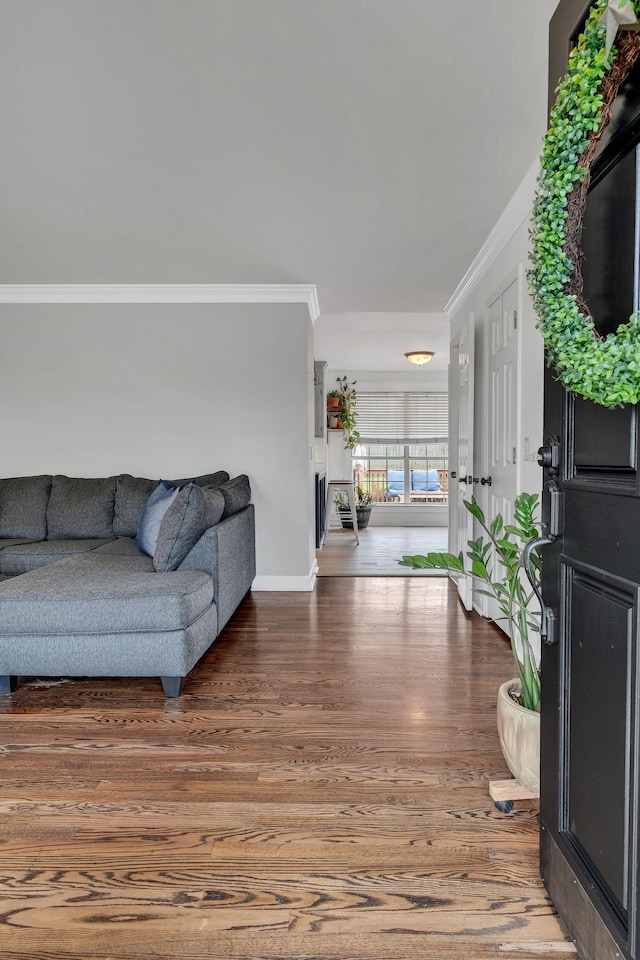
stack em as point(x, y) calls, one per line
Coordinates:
point(485, 481)
point(462, 479)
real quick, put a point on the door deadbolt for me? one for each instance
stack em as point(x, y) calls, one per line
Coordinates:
point(549, 455)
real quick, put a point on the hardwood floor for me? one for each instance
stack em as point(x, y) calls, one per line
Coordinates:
point(379, 551)
point(318, 791)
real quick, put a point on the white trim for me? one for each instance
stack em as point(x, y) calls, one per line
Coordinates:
point(517, 210)
point(162, 293)
point(287, 583)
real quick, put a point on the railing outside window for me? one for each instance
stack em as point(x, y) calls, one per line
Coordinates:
point(403, 473)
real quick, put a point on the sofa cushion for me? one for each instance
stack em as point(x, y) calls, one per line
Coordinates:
point(23, 507)
point(80, 507)
point(236, 493)
point(157, 505)
point(190, 514)
point(102, 594)
point(122, 547)
point(132, 494)
point(21, 557)
point(424, 481)
point(395, 482)
point(206, 480)
point(7, 542)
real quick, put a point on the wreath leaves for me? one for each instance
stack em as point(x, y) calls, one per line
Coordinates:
point(603, 369)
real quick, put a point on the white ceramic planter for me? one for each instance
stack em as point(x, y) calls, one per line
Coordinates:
point(519, 731)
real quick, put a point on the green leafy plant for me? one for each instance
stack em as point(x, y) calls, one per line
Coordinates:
point(496, 560)
point(348, 415)
point(603, 369)
point(362, 499)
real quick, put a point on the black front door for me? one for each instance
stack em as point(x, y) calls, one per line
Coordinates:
point(590, 770)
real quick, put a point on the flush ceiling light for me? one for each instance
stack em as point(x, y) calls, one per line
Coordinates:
point(419, 357)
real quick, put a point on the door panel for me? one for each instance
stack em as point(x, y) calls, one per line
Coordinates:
point(502, 440)
point(590, 788)
point(600, 644)
point(503, 392)
point(604, 442)
point(462, 371)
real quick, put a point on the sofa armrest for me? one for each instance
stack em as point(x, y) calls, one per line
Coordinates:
point(227, 552)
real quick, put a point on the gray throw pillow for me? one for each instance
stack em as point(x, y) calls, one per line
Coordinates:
point(206, 480)
point(157, 505)
point(132, 494)
point(236, 493)
point(191, 513)
point(23, 507)
point(81, 508)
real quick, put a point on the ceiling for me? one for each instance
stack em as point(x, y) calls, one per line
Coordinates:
point(378, 341)
point(366, 146)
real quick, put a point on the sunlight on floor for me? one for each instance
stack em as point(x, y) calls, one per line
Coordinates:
point(379, 551)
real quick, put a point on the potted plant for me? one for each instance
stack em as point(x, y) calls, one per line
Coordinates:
point(347, 416)
point(495, 559)
point(333, 400)
point(363, 509)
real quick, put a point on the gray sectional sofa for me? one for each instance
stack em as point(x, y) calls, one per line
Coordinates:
point(78, 595)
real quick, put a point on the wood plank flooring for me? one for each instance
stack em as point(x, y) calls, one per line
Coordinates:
point(320, 790)
point(379, 551)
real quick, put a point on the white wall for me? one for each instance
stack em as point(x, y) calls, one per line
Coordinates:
point(170, 391)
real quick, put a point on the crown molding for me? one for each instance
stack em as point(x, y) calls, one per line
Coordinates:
point(163, 293)
point(517, 210)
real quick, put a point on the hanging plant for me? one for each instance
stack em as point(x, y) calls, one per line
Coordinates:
point(603, 369)
point(348, 415)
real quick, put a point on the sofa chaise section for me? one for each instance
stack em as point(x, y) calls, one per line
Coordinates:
point(105, 616)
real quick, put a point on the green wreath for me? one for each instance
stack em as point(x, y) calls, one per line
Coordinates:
point(603, 369)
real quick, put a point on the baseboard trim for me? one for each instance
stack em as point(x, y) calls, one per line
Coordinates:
point(163, 293)
point(284, 584)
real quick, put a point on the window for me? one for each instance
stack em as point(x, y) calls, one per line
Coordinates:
point(403, 453)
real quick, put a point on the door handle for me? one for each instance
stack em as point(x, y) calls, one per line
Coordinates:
point(553, 526)
point(485, 481)
point(547, 616)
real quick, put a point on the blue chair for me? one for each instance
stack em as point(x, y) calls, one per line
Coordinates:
point(395, 484)
point(424, 481)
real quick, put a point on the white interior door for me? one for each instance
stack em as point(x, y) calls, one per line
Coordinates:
point(503, 440)
point(461, 375)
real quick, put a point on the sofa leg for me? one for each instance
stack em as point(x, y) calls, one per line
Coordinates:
point(8, 684)
point(172, 686)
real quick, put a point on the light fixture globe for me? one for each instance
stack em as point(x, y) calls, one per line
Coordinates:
point(419, 356)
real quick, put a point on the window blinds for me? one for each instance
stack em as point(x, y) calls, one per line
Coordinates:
point(403, 417)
